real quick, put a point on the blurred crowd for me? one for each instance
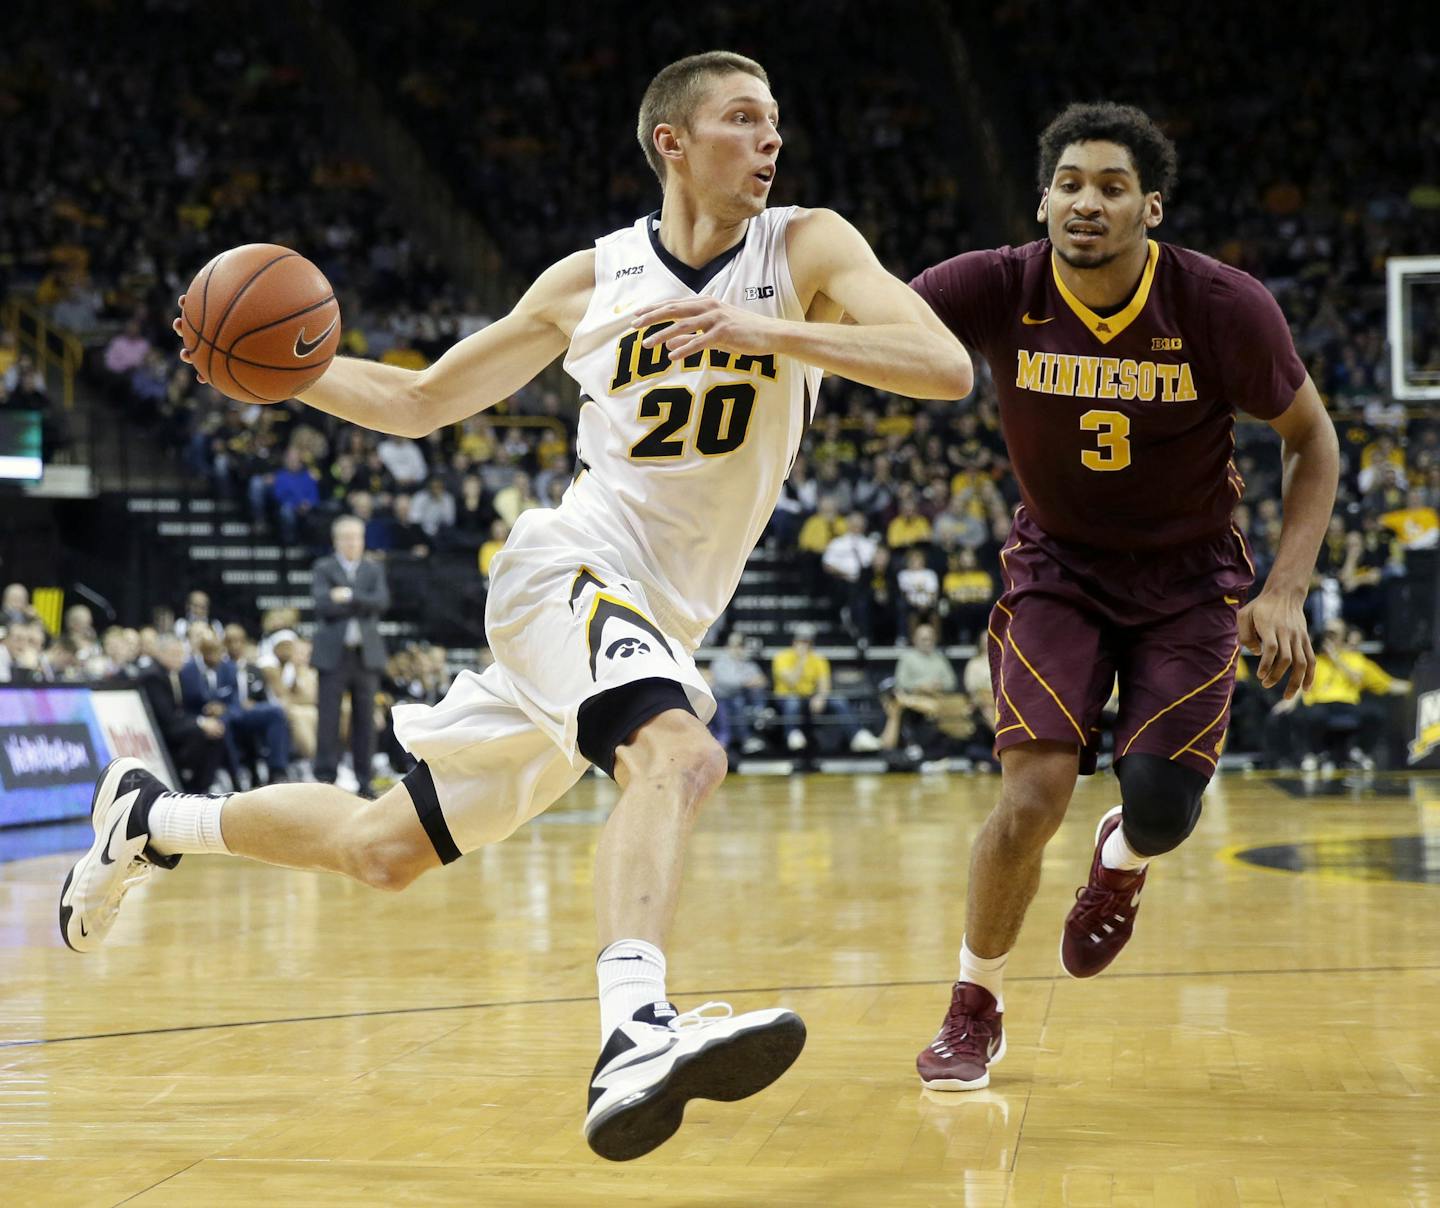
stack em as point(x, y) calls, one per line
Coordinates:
point(896, 511)
point(236, 709)
point(1309, 150)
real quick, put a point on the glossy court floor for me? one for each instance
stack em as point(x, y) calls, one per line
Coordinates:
point(256, 1036)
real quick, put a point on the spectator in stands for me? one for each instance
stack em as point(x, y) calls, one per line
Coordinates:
point(473, 514)
point(15, 607)
point(516, 498)
point(243, 656)
point(968, 591)
point(1417, 524)
point(1333, 715)
point(21, 653)
point(927, 713)
point(407, 537)
point(919, 593)
point(433, 509)
point(740, 688)
point(499, 534)
point(80, 630)
point(211, 686)
point(300, 698)
point(848, 559)
point(126, 350)
point(403, 460)
point(197, 612)
point(909, 527)
point(802, 687)
point(196, 744)
point(296, 493)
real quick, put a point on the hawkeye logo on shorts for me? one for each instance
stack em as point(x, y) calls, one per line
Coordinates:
point(754, 293)
point(625, 647)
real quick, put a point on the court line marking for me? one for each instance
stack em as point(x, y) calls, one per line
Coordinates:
point(389, 1012)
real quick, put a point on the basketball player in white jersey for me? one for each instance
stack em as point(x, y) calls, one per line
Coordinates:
point(698, 337)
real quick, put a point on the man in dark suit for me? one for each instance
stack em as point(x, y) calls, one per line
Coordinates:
point(211, 687)
point(196, 744)
point(350, 595)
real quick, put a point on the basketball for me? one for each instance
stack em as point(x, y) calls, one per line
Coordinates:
point(261, 323)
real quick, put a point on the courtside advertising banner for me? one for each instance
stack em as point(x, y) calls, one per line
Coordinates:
point(55, 740)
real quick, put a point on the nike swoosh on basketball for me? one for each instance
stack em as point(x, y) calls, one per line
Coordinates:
point(304, 347)
point(1029, 322)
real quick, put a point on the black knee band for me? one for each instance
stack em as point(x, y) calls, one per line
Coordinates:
point(421, 786)
point(607, 721)
point(1161, 800)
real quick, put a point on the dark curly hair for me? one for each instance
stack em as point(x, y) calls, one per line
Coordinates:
point(1105, 121)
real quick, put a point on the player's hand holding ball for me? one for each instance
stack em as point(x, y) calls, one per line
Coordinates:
point(260, 323)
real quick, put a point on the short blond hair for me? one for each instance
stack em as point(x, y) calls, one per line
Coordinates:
point(676, 92)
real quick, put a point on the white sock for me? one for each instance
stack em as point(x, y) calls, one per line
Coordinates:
point(986, 971)
point(631, 975)
point(1118, 855)
point(187, 822)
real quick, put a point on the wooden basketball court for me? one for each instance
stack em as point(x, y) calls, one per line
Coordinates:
point(256, 1036)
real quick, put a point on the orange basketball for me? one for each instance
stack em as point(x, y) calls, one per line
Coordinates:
point(261, 323)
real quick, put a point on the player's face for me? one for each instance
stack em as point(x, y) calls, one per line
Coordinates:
point(1094, 209)
point(731, 145)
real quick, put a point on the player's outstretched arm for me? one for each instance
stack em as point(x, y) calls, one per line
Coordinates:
point(894, 341)
point(476, 373)
point(1273, 624)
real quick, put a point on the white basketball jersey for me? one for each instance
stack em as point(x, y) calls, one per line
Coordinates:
point(683, 461)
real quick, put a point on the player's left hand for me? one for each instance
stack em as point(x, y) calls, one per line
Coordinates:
point(708, 323)
point(1273, 626)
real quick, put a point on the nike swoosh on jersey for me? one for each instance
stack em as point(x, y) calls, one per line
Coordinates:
point(304, 347)
point(1029, 322)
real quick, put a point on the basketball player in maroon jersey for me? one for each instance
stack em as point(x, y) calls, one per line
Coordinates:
point(1120, 363)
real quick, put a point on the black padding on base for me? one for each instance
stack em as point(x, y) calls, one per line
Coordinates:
point(420, 784)
point(1161, 800)
point(608, 720)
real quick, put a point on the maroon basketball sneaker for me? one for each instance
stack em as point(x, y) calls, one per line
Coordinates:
point(1103, 917)
point(969, 1042)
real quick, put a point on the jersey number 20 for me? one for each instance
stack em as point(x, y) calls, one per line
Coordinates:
point(724, 420)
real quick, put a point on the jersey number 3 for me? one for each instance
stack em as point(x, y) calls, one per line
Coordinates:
point(1114, 440)
point(724, 420)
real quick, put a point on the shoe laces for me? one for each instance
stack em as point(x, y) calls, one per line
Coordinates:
point(137, 874)
point(699, 1017)
point(964, 1032)
point(1101, 904)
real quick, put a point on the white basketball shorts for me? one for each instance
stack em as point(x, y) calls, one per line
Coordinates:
point(565, 624)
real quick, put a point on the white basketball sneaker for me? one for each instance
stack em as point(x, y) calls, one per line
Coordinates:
point(656, 1063)
point(118, 860)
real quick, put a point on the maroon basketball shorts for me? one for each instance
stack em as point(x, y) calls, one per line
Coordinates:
point(1075, 623)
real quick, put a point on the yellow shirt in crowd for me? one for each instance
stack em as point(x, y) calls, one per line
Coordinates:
point(907, 530)
point(1333, 687)
point(816, 532)
point(487, 553)
point(815, 671)
point(969, 586)
point(1414, 526)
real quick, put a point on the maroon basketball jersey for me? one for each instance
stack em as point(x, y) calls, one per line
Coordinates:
point(1121, 428)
